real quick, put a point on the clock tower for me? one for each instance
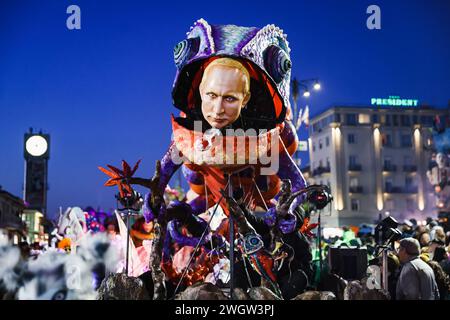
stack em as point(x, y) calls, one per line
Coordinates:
point(36, 154)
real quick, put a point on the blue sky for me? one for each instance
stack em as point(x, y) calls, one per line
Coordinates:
point(103, 92)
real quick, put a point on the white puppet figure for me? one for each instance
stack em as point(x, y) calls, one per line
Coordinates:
point(439, 177)
point(54, 275)
point(138, 257)
point(72, 225)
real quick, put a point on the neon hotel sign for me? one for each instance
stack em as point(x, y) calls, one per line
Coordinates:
point(394, 101)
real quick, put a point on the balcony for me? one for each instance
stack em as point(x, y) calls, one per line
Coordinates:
point(389, 168)
point(410, 189)
point(392, 189)
point(321, 170)
point(354, 167)
point(409, 168)
point(357, 189)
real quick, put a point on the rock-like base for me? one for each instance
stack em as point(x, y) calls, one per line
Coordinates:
point(121, 287)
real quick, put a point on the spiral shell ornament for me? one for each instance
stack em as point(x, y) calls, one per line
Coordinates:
point(184, 50)
point(276, 62)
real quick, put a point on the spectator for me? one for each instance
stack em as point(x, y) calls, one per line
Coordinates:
point(112, 227)
point(442, 280)
point(24, 250)
point(439, 246)
point(407, 229)
point(438, 234)
point(394, 272)
point(416, 280)
point(424, 238)
point(441, 256)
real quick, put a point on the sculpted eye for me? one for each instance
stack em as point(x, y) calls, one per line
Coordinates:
point(211, 95)
point(60, 295)
point(230, 99)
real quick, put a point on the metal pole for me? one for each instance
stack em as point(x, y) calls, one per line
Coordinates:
point(385, 269)
point(128, 241)
point(230, 193)
point(320, 243)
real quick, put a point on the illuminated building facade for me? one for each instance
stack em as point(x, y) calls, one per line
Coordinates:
point(375, 161)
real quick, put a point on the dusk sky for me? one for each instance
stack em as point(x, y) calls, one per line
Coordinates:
point(103, 93)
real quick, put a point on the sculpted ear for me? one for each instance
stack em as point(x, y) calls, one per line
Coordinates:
point(247, 99)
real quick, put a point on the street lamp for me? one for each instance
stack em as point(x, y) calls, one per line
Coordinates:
point(302, 87)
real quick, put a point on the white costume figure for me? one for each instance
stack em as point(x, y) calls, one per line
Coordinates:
point(72, 225)
point(439, 177)
point(139, 258)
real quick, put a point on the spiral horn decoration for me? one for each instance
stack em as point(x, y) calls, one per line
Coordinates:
point(276, 62)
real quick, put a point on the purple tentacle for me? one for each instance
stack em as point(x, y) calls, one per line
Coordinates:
point(192, 176)
point(198, 205)
point(172, 228)
point(168, 167)
point(289, 170)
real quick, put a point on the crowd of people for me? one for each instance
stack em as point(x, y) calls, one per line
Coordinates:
point(418, 260)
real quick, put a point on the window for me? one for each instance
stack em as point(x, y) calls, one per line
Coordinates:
point(327, 141)
point(316, 127)
point(426, 120)
point(409, 181)
point(374, 118)
point(352, 160)
point(387, 162)
point(395, 120)
point(351, 119)
point(387, 140)
point(364, 118)
point(328, 162)
point(355, 205)
point(337, 117)
point(406, 141)
point(405, 120)
point(354, 182)
point(388, 119)
point(320, 144)
point(388, 184)
point(351, 138)
point(314, 147)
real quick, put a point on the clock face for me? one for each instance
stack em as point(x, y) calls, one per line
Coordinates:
point(36, 146)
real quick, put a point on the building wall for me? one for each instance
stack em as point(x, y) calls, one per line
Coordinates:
point(367, 152)
point(10, 210)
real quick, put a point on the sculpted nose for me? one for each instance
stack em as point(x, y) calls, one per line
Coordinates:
point(218, 106)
